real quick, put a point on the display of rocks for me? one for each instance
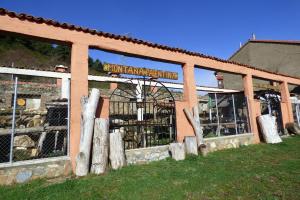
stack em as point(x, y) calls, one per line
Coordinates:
point(23, 141)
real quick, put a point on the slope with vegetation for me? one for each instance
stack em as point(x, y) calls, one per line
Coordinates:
point(28, 53)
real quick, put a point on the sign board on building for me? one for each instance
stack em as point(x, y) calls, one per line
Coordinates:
point(122, 69)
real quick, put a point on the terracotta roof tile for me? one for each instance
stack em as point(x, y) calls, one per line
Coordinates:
point(23, 16)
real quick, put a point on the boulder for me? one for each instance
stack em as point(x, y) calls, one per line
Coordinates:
point(293, 128)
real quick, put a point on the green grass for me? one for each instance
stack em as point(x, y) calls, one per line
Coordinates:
point(261, 171)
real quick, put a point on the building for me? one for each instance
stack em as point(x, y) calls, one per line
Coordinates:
point(279, 56)
point(224, 113)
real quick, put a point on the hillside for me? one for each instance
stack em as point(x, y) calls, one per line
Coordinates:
point(28, 53)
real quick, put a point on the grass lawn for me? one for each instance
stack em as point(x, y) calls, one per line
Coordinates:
point(261, 171)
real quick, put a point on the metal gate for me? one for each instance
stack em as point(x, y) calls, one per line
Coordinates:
point(143, 111)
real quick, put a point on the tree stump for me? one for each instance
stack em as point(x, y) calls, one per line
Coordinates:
point(100, 146)
point(190, 143)
point(116, 151)
point(88, 110)
point(268, 128)
point(177, 151)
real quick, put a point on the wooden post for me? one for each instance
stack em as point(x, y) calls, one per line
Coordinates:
point(116, 150)
point(89, 106)
point(100, 146)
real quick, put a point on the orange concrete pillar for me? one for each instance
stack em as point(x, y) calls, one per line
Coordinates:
point(60, 68)
point(248, 90)
point(113, 85)
point(184, 128)
point(189, 85)
point(79, 87)
point(103, 108)
point(286, 104)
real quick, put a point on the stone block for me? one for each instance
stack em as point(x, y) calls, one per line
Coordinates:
point(177, 151)
point(23, 176)
point(190, 143)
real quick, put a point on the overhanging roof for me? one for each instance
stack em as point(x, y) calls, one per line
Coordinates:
point(49, 22)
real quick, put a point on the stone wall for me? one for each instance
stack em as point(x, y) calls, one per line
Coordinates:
point(146, 155)
point(24, 171)
point(226, 142)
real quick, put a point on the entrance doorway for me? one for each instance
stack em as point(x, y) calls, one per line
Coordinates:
point(270, 104)
point(143, 111)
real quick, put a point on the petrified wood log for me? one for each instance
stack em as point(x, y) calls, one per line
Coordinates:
point(190, 143)
point(100, 146)
point(268, 128)
point(116, 151)
point(39, 129)
point(177, 151)
point(195, 121)
point(88, 107)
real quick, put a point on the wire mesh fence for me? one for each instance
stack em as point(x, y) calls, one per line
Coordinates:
point(296, 112)
point(34, 117)
point(223, 114)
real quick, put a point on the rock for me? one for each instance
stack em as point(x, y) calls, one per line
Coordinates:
point(23, 141)
point(23, 176)
point(203, 150)
point(293, 128)
point(177, 151)
point(34, 152)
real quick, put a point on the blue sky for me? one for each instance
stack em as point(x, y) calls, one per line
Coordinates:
point(211, 27)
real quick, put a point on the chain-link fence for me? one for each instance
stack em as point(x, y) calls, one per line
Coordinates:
point(296, 112)
point(34, 117)
point(223, 114)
